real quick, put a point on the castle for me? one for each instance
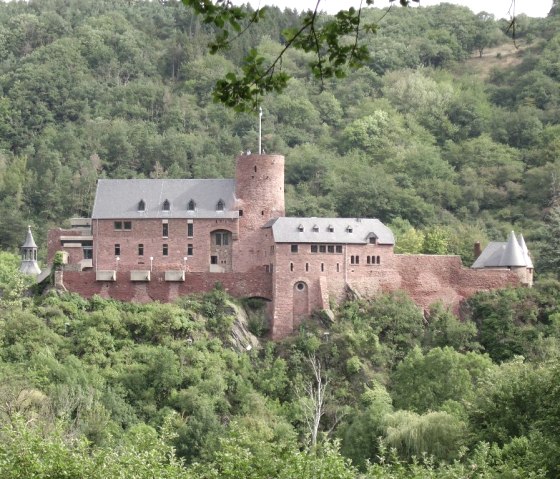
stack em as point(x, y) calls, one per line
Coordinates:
point(159, 239)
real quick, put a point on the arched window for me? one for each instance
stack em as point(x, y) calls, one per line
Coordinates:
point(220, 206)
point(166, 205)
point(191, 205)
point(141, 205)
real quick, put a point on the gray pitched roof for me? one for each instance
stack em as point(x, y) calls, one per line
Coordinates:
point(318, 230)
point(512, 253)
point(119, 199)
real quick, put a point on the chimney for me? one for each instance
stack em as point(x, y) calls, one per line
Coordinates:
point(477, 249)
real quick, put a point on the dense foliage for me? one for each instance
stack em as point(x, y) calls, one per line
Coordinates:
point(98, 388)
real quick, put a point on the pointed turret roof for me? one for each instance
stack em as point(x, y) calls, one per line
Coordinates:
point(528, 261)
point(513, 253)
point(29, 241)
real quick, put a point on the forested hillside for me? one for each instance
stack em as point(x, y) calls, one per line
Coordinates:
point(450, 134)
point(420, 138)
point(97, 389)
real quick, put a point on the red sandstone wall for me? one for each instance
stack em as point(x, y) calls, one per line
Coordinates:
point(149, 233)
point(252, 284)
point(425, 278)
point(75, 255)
point(325, 275)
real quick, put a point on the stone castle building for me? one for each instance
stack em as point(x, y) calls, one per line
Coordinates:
point(159, 239)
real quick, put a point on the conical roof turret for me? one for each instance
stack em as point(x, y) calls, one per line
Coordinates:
point(29, 241)
point(528, 261)
point(513, 254)
point(29, 263)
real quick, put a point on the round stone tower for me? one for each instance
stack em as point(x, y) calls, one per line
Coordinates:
point(259, 189)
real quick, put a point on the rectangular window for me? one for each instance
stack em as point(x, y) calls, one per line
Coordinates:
point(189, 250)
point(330, 248)
point(357, 259)
point(306, 266)
point(294, 248)
point(190, 230)
point(314, 248)
point(165, 230)
point(118, 225)
point(378, 260)
point(127, 225)
point(117, 249)
point(322, 248)
point(339, 248)
point(165, 250)
point(322, 267)
point(369, 259)
point(352, 259)
point(88, 252)
point(338, 267)
point(291, 266)
point(140, 249)
point(213, 260)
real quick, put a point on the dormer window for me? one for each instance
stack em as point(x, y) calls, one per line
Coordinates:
point(300, 228)
point(372, 239)
point(191, 205)
point(315, 228)
point(330, 229)
point(349, 229)
point(220, 206)
point(141, 205)
point(166, 205)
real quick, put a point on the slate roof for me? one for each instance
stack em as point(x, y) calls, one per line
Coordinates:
point(512, 253)
point(119, 199)
point(29, 241)
point(318, 230)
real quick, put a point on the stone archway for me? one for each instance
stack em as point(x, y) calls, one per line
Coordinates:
point(300, 301)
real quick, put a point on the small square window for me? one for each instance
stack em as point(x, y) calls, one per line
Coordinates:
point(213, 260)
point(314, 248)
point(330, 248)
point(127, 225)
point(294, 248)
point(339, 248)
point(322, 248)
point(118, 225)
point(372, 240)
point(165, 250)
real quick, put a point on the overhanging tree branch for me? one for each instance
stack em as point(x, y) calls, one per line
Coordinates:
point(335, 44)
